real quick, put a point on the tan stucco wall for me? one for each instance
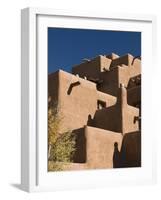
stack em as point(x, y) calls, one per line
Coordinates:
point(110, 81)
point(99, 129)
point(53, 85)
point(119, 117)
point(109, 99)
point(102, 152)
point(129, 122)
point(119, 75)
point(108, 119)
point(100, 147)
point(79, 104)
point(126, 60)
point(92, 68)
point(76, 107)
point(134, 95)
point(112, 56)
point(126, 72)
point(130, 153)
point(118, 70)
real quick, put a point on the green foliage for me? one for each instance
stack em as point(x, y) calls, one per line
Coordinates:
point(55, 166)
point(53, 123)
point(61, 146)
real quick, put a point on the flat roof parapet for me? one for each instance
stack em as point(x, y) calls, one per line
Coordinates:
point(112, 56)
point(134, 81)
point(72, 78)
point(126, 60)
point(92, 67)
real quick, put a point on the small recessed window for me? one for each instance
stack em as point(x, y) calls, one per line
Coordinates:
point(101, 104)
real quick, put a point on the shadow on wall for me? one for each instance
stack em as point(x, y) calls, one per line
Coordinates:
point(71, 87)
point(128, 156)
point(80, 154)
point(116, 156)
point(130, 153)
point(90, 121)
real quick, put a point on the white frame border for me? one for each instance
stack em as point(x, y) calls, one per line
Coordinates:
point(29, 85)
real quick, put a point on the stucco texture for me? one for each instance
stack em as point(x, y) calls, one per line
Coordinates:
point(100, 102)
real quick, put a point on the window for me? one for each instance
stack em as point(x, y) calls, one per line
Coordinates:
point(101, 104)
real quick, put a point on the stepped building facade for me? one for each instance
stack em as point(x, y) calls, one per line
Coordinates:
point(100, 102)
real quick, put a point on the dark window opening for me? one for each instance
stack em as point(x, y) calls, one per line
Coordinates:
point(101, 104)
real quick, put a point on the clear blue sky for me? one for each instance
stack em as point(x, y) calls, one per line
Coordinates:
point(67, 47)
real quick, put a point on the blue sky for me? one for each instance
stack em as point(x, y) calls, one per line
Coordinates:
point(67, 47)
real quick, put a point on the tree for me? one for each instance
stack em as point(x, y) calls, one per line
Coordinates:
point(61, 146)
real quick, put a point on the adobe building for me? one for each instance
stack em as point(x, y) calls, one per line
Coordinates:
point(100, 101)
